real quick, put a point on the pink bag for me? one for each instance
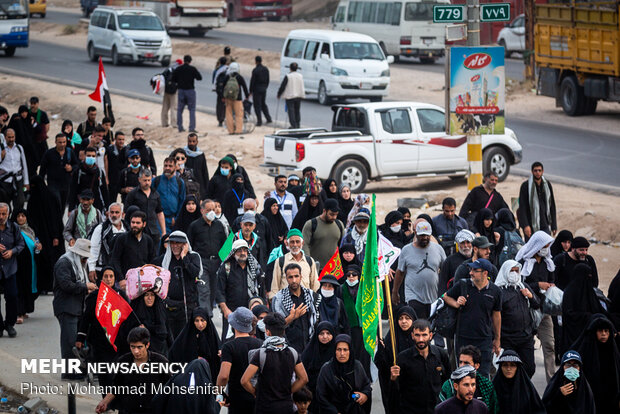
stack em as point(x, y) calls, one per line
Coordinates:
point(141, 279)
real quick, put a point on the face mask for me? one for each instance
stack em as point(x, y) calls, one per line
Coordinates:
point(210, 215)
point(261, 325)
point(352, 283)
point(513, 278)
point(181, 165)
point(544, 252)
point(571, 374)
point(327, 293)
point(90, 161)
point(396, 229)
point(135, 167)
point(224, 171)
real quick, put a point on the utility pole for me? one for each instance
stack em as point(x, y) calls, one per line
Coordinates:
point(530, 17)
point(474, 140)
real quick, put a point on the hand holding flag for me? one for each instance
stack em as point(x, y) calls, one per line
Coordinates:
point(111, 311)
point(333, 266)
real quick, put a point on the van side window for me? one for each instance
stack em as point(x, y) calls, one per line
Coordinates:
point(340, 13)
point(325, 49)
point(370, 9)
point(311, 48)
point(396, 8)
point(418, 11)
point(103, 20)
point(294, 48)
point(396, 121)
point(355, 12)
point(112, 23)
point(431, 120)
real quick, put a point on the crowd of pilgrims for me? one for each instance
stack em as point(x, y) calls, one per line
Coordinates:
point(291, 342)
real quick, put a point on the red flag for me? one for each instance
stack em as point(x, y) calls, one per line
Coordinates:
point(102, 93)
point(333, 266)
point(111, 311)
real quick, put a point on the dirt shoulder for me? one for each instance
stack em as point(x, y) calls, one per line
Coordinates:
point(581, 211)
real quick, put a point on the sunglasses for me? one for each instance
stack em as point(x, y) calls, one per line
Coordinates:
point(180, 158)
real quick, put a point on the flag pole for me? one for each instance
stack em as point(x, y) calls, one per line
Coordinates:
point(388, 296)
point(380, 325)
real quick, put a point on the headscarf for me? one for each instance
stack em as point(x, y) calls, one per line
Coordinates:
point(360, 201)
point(329, 308)
point(398, 239)
point(316, 354)
point(581, 402)
point(601, 363)
point(502, 275)
point(485, 214)
point(186, 218)
point(232, 68)
point(192, 343)
point(24, 227)
point(73, 138)
point(538, 240)
point(154, 317)
point(505, 219)
point(76, 263)
point(516, 395)
point(307, 212)
point(344, 205)
point(579, 303)
point(276, 221)
point(403, 338)
point(168, 255)
point(348, 247)
point(556, 247)
point(613, 293)
point(326, 192)
point(346, 370)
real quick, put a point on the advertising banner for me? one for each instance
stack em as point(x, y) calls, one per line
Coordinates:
point(477, 90)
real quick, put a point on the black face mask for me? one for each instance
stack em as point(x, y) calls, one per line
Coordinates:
point(237, 186)
point(192, 147)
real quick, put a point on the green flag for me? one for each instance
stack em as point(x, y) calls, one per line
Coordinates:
point(369, 297)
point(226, 247)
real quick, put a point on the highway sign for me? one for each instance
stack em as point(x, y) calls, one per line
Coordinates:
point(495, 12)
point(448, 14)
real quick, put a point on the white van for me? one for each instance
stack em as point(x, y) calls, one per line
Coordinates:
point(128, 35)
point(337, 64)
point(401, 28)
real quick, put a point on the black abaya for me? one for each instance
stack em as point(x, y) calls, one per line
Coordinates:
point(185, 217)
point(580, 401)
point(307, 212)
point(279, 228)
point(315, 355)
point(154, 319)
point(517, 395)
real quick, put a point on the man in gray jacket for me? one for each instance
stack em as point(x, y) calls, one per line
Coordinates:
point(11, 244)
point(71, 286)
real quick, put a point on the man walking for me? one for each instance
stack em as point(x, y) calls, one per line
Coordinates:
point(149, 202)
point(292, 90)
point(418, 267)
point(82, 220)
point(88, 176)
point(196, 162)
point(129, 176)
point(171, 189)
point(481, 250)
point(11, 244)
point(259, 82)
point(133, 248)
point(322, 234)
point(286, 201)
point(483, 196)
point(309, 274)
point(41, 128)
point(13, 172)
point(218, 86)
point(87, 127)
point(448, 224)
point(537, 204)
point(184, 76)
point(463, 240)
point(146, 153)
point(56, 167)
point(115, 164)
point(103, 238)
point(169, 103)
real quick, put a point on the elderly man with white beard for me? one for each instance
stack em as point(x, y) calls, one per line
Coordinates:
point(463, 240)
point(102, 240)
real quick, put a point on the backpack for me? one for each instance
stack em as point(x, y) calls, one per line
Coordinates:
point(315, 223)
point(231, 89)
point(262, 357)
point(281, 262)
point(512, 244)
point(445, 319)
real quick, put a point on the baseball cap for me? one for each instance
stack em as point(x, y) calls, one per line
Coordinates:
point(331, 205)
point(483, 264)
point(238, 244)
point(481, 242)
point(571, 356)
point(423, 228)
point(248, 218)
point(293, 177)
point(87, 194)
point(363, 214)
point(133, 153)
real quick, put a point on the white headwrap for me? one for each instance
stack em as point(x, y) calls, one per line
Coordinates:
point(232, 68)
point(502, 275)
point(538, 240)
point(464, 235)
point(78, 268)
point(165, 263)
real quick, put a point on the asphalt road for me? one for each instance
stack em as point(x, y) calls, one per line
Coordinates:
point(514, 67)
point(570, 155)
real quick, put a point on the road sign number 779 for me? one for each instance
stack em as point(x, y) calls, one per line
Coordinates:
point(448, 14)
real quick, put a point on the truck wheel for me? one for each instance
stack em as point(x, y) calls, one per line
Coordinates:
point(322, 96)
point(165, 62)
point(590, 106)
point(9, 51)
point(353, 173)
point(496, 159)
point(571, 95)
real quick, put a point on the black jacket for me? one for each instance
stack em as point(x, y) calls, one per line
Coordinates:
point(232, 285)
point(69, 293)
point(516, 319)
point(525, 212)
point(147, 159)
point(88, 178)
point(185, 75)
point(183, 290)
point(260, 79)
point(53, 166)
point(129, 253)
point(198, 165)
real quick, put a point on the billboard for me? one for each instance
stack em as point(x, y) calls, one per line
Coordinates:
point(477, 90)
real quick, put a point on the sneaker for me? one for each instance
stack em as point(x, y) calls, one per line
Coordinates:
point(220, 124)
point(11, 331)
point(269, 121)
point(193, 131)
point(181, 130)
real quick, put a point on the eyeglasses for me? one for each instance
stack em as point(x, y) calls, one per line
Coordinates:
point(477, 270)
point(180, 158)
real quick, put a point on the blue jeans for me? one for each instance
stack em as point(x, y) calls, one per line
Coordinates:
point(186, 97)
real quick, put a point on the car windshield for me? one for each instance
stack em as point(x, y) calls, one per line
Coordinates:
point(357, 50)
point(419, 11)
point(139, 22)
point(13, 9)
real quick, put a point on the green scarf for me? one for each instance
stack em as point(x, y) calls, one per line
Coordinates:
point(349, 307)
point(82, 221)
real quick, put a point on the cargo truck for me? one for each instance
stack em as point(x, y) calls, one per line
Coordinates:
point(577, 49)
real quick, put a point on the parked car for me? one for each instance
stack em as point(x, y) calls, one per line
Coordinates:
point(512, 37)
point(337, 64)
point(379, 141)
point(37, 7)
point(128, 35)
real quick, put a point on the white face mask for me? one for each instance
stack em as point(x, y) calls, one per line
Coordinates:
point(327, 293)
point(210, 215)
point(513, 278)
point(261, 325)
point(544, 252)
point(352, 282)
point(396, 229)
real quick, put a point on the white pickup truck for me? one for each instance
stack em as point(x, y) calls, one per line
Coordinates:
point(384, 140)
